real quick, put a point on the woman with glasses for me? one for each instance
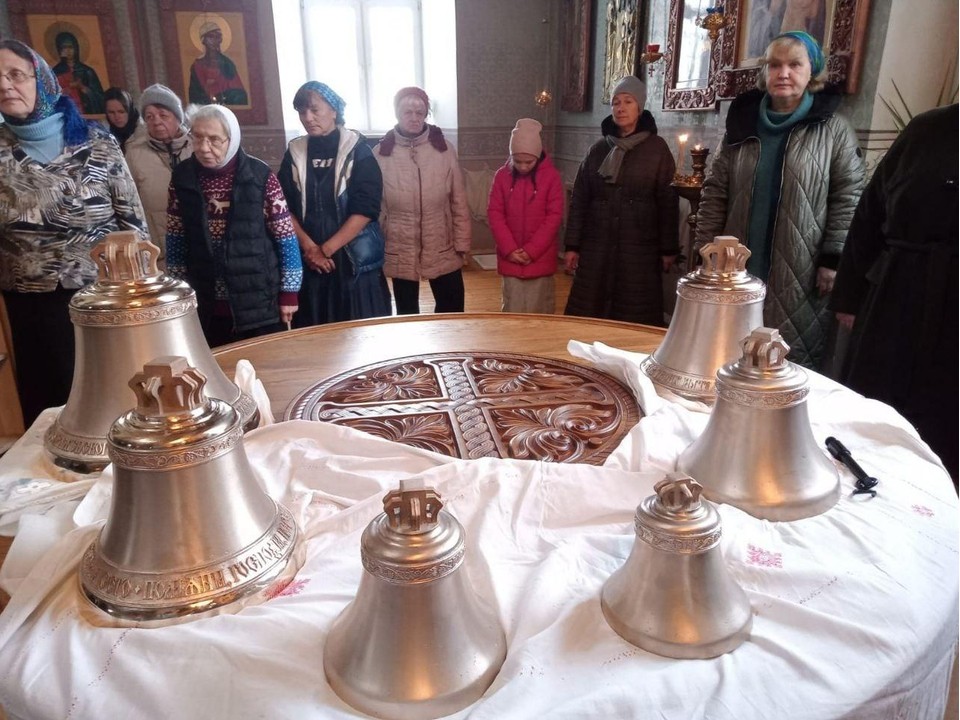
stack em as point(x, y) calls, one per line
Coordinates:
point(153, 155)
point(63, 186)
point(334, 187)
point(230, 235)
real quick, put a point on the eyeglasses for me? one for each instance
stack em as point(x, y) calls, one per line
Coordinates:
point(17, 77)
point(215, 142)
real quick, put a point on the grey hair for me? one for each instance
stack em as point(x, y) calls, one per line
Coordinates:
point(210, 112)
point(817, 82)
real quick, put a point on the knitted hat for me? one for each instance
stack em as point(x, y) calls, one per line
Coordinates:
point(814, 51)
point(165, 97)
point(407, 92)
point(632, 85)
point(525, 138)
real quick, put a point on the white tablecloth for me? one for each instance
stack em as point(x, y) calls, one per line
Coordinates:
point(855, 610)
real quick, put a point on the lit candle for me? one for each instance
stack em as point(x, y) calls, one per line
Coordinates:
point(683, 143)
point(698, 147)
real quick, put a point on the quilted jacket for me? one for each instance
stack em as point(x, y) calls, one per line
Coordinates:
point(525, 211)
point(823, 177)
point(425, 216)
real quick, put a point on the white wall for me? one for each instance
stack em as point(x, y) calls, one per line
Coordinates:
point(920, 48)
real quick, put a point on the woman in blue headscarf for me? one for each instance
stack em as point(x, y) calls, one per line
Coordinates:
point(63, 186)
point(786, 181)
point(334, 186)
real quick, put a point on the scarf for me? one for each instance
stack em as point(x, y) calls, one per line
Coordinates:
point(173, 149)
point(329, 96)
point(50, 101)
point(232, 126)
point(609, 169)
point(434, 136)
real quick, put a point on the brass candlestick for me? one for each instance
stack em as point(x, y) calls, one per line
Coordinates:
point(690, 187)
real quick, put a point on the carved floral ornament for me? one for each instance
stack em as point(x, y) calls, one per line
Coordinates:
point(480, 405)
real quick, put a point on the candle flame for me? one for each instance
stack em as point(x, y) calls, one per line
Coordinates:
point(683, 138)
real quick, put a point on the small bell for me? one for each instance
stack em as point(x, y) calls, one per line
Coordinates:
point(416, 642)
point(130, 315)
point(675, 596)
point(758, 452)
point(190, 528)
point(717, 305)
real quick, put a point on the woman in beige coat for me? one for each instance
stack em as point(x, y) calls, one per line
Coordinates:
point(151, 156)
point(424, 214)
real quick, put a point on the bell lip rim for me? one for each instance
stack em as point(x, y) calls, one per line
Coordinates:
point(818, 505)
point(246, 595)
point(647, 642)
point(288, 565)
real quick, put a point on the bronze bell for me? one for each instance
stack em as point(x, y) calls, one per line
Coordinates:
point(416, 642)
point(675, 596)
point(717, 306)
point(190, 529)
point(131, 314)
point(758, 452)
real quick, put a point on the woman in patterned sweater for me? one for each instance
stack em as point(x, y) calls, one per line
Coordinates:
point(63, 186)
point(229, 234)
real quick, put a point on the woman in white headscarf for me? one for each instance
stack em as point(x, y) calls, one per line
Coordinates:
point(230, 235)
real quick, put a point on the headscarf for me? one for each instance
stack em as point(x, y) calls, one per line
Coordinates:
point(814, 51)
point(122, 134)
point(50, 101)
point(329, 96)
point(232, 126)
point(411, 91)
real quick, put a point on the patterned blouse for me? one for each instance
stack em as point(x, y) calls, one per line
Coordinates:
point(53, 214)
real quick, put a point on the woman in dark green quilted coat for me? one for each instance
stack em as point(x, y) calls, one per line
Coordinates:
point(786, 181)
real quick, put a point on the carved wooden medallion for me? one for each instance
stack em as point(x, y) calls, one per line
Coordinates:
point(472, 405)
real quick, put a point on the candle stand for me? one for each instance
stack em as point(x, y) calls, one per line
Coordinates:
point(690, 187)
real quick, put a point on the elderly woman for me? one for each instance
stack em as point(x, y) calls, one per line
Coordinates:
point(230, 235)
point(786, 182)
point(123, 118)
point(425, 214)
point(622, 230)
point(153, 155)
point(63, 186)
point(334, 187)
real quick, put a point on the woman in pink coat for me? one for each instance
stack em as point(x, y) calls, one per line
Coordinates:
point(525, 212)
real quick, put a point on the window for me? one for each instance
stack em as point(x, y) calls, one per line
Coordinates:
point(365, 50)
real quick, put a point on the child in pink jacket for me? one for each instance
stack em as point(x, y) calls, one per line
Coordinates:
point(525, 212)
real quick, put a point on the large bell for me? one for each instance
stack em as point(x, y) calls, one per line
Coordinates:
point(758, 452)
point(675, 596)
point(416, 642)
point(190, 529)
point(130, 315)
point(717, 306)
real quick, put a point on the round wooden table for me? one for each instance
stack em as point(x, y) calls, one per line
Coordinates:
point(289, 362)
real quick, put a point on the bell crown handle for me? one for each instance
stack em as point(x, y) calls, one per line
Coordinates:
point(123, 256)
point(413, 508)
point(723, 256)
point(764, 349)
point(168, 386)
point(678, 492)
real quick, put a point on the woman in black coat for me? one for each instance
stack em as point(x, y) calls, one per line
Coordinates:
point(897, 282)
point(622, 229)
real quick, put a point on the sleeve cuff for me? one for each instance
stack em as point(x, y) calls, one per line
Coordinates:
point(831, 262)
point(289, 299)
